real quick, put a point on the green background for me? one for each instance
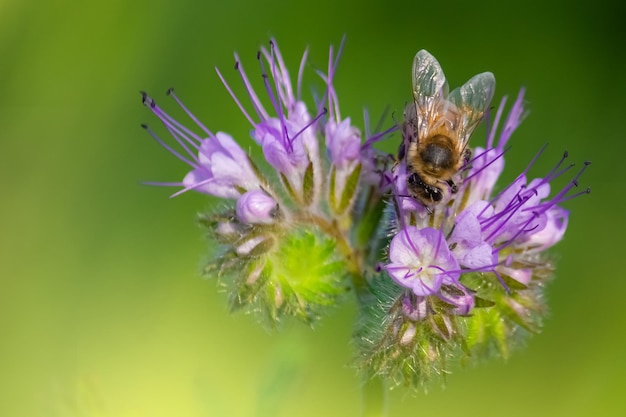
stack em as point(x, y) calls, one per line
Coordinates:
point(102, 310)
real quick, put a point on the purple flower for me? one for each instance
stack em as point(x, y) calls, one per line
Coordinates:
point(286, 152)
point(223, 168)
point(477, 230)
point(344, 143)
point(256, 207)
point(488, 164)
point(467, 241)
point(421, 261)
point(289, 137)
point(220, 168)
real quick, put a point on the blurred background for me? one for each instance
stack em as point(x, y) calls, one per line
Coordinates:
point(102, 308)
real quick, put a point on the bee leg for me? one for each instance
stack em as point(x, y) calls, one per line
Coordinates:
point(434, 193)
point(467, 155)
point(453, 187)
point(427, 191)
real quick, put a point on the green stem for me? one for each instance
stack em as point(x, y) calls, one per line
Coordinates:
point(374, 392)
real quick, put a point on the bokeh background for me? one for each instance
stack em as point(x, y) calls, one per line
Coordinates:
point(102, 309)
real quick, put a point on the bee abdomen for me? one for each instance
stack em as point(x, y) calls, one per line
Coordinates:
point(437, 156)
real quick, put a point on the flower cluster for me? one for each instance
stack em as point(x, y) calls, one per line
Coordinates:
point(287, 241)
point(327, 214)
point(468, 274)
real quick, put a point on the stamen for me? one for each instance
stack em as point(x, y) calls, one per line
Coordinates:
point(518, 233)
point(283, 87)
point(560, 196)
point(506, 287)
point(163, 184)
point(170, 92)
point(469, 177)
point(256, 102)
point(509, 215)
point(405, 230)
point(283, 73)
point(232, 94)
point(276, 104)
point(521, 175)
point(378, 136)
point(178, 135)
point(191, 187)
point(311, 123)
point(169, 148)
point(439, 241)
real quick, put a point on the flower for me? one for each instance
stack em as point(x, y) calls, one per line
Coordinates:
point(221, 167)
point(487, 232)
point(468, 272)
point(421, 261)
point(256, 207)
point(325, 214)
point(286, 242)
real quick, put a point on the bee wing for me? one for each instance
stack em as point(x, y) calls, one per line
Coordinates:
point(472, 100)
point(429, 90)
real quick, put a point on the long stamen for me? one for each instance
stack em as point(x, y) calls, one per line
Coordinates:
point(518, 233)
point(232, 94)
point(170, 92)
point(311, 123)
point(256, 102)
point(190, 137)
point(282, 84)
point(284, 74)
point(521, 175)
point(193, 186)
point(162, 183)
point(498, 156)
point(184, 134)
point(169, 148)
point(560, 196)
point(506, 287)
point(276, 104)
point(379, 136)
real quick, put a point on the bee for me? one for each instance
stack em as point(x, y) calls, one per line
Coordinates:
point(437, 127)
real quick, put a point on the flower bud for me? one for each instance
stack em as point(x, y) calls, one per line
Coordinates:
point(256, 207)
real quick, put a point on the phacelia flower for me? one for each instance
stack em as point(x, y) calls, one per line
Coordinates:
point(300, 202)
point(444, 259)
point(485, 249)
point(421, 261)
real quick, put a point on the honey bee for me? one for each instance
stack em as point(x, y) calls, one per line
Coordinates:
point(437, 128)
